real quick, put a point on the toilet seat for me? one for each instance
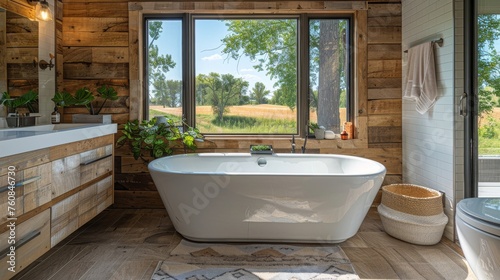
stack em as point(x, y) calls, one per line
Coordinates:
point(481, 213)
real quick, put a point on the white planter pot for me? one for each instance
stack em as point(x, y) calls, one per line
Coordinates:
point(86, 118)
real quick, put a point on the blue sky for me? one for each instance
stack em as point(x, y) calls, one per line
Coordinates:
point(208, 52)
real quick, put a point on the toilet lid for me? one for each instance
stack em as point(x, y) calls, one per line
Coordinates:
point(481, 213)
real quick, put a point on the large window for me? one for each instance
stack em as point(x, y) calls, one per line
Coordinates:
point(268, 75)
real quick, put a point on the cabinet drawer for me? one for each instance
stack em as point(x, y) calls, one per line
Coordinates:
point(32, 188)
point(65, 174)
point(32, 240)
point(95, 162)
point(16, 197)
point(87, 202)
point(105, 191)
point(37, 192)
point(64, 219)
point(94, 199)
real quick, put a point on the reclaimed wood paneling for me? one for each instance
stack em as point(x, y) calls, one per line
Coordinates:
point(389, 106)
point(120, 85)
point(79, 24)
point(82, 71)
point(98, 39)
point(361, 70)
point(20, 7)
point(384, 68)
point(21, 55)
point(88, 9)
point(384, 83)
point(384, 76)
point(384, 10)
point(384, 134)
point(384, 120)
point(384, 35)
point(384, 93)
point(90, 55)
point(378, 52)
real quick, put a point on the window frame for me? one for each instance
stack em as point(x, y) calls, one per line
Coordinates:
point(303, 81)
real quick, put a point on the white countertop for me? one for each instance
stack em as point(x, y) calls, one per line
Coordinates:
point(25, 139)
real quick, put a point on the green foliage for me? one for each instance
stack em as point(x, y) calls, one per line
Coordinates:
point(84, 97)
point(488, 137)
point(167, 92)
point(222, 91)
point(488, 61)
point(152, 139)
point(313, 126)
point(273, 43)
point(63, 99)
point(489, 129)
point(240, 124)
point(259, 93)
point(27, 100)
point(158, 65)
point(261, 148)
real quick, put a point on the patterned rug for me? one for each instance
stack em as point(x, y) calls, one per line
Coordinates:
point(215, 261)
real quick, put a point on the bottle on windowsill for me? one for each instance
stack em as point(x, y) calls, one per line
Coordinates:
point(344, 135)
point(55, 117)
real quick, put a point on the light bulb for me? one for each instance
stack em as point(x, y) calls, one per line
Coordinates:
point(43, 11)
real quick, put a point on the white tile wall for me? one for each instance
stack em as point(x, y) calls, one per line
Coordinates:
point(459, 89)
point(429, 139)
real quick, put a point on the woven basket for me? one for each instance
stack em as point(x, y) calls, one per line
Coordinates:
point(420, 230)
point(412, 199)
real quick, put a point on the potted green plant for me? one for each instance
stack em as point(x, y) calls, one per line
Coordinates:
point(319, 131)
point(93, 103)
point(261, 149)
point(154, 139)
point(18, 109)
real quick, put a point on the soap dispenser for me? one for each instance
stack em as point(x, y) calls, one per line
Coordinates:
point(55, 117)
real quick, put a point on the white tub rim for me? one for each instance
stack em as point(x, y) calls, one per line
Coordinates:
point(380, 170)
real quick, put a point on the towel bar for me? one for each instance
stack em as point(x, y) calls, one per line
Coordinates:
point(438, 41)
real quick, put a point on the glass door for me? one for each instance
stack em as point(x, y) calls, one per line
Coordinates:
point(482, 95)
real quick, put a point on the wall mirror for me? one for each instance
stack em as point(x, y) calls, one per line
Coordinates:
point(24, 44)
point(18, 51)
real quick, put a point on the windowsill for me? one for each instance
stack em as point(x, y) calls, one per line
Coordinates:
point(266, 138)
point(236, 143)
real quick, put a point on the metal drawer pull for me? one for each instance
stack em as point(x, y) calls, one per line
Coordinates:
point(95, 160)
point(21, 183)
point(21, 242)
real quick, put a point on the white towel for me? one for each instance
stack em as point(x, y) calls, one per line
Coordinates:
point(420, 84)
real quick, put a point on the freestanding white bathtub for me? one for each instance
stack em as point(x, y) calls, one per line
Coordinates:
point(279, 198)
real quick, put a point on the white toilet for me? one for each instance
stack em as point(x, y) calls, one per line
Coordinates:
point(478, 228)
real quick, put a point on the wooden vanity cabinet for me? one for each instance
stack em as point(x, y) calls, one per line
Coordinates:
point(57, 190)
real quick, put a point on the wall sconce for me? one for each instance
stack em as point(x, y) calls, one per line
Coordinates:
point(44, 64)
point(42, 10)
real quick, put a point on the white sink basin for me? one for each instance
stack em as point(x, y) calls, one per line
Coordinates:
point(51, 127)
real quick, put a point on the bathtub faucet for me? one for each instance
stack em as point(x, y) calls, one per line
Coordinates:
point(305, 143)
point(293, 144)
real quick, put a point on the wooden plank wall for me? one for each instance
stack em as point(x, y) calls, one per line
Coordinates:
point(94, 50)
point(94, 47)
